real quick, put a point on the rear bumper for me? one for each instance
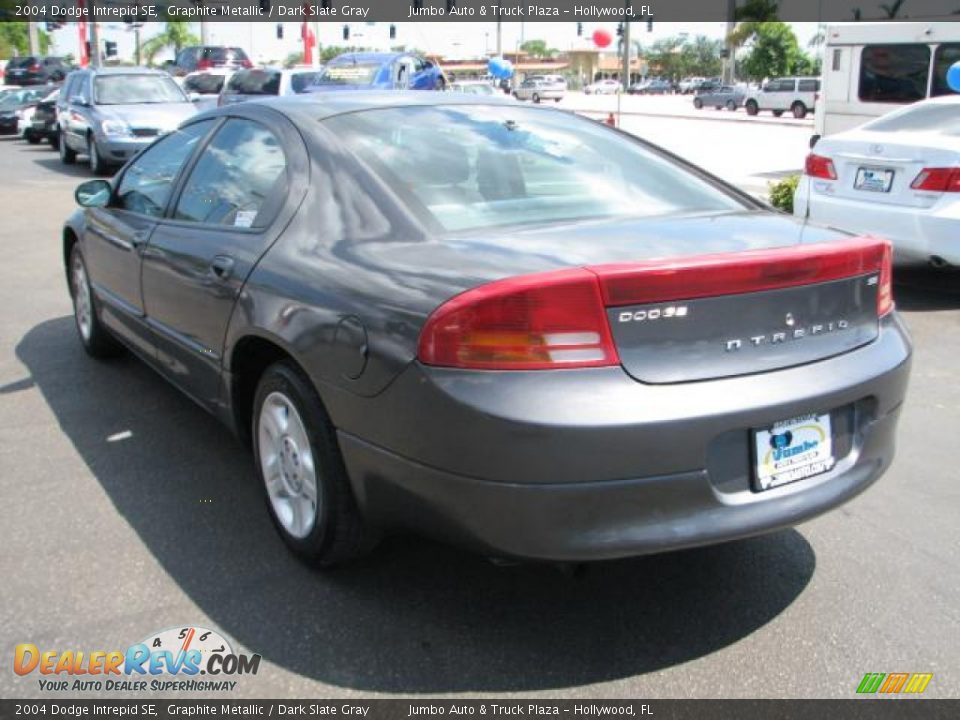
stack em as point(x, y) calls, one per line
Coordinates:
point(604, 473)
point(918, 234)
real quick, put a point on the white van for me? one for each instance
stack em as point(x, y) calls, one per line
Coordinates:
point(870, 69)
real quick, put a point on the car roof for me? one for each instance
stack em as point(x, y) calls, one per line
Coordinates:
point(324, 104)
point(369, 57)
point(124, 71)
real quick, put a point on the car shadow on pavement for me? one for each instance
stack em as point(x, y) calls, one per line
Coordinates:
point(415, 617)
point(923, 289)
point(80, 169)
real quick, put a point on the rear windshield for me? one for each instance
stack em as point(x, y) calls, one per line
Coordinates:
point(255, 82)
point(471, 167)
point(941, 119)
point(136, 90)
point(21, 62)
point(349, 74)
point(224, 54)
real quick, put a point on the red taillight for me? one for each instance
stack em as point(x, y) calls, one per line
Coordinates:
point(558, 319)
point(820, 167)
point(533, 322)
point(687, 278)
point(937, 180)
point(204, 64)
point(246, 63)
point(34, 68)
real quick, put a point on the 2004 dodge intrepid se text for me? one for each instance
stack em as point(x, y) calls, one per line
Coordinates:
point(506, 326)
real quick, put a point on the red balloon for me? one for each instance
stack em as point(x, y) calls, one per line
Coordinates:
point(602, 38)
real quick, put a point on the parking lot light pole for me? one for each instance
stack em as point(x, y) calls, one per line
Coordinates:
point(34, 39)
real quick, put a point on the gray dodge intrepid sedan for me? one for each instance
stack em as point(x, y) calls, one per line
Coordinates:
point(502, 325)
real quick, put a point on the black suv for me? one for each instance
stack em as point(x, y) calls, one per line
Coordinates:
point(35, 70)
point(205, 57)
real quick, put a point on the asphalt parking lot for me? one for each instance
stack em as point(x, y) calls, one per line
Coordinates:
point(128, 510)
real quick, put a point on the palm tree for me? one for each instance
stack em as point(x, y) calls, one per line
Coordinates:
point(175, 34)
point(893, 9)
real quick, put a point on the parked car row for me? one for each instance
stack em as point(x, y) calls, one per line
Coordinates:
point(798, 95)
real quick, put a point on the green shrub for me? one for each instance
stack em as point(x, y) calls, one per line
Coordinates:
point(781, 193)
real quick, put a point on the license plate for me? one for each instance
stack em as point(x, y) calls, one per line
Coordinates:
point(792, 450)
point(873, 180)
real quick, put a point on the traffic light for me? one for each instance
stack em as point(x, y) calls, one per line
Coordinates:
point(279, 31)
point(51, 26)
point(579, 29)
point(619, 29)
point(346, 32)
point(393, 32)
point(725, 53)
point(649, 23)
point(110, 48)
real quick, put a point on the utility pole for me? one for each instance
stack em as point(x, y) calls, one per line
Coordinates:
point(729, 61)
point(34, 39)
point(625, 70)
point(499, 36)
point(94, 42)
point(136, 41)
point(204, 32)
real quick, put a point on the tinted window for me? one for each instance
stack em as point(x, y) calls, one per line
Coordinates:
point(224, 54)
point(809, 85)
point(470, 167)
point(894, 73)
point(146, 185)
point(21, 62)
point(299, 82)
point(136, 89)
point(945, 56)
point(349, 73)
point(239, 172)
point(204, 84)
point(255, 82)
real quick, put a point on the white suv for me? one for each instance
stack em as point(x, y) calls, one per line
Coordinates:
point(796, 94)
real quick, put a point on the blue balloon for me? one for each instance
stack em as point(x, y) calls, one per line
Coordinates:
point(507, 69)
point(953, 77)
point(495, 66)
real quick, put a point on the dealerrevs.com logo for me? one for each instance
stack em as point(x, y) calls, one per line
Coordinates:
point(170, 660)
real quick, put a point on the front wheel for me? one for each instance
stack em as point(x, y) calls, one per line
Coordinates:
point(301, 470)
point(67, 156)
point(752, 107)
point(799, 110)
point(731, 106)
point(95, 338)
point(536, 99)
point(32, 138)
point(697, 103)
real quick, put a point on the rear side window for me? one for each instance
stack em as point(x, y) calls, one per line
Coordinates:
point(224, 54)
point(894, 73)
point(945, 56)
point(809, 85)
point(299, 82)
point(21, 62)
point(239, 179)
point(255, 82)
point(205, 84)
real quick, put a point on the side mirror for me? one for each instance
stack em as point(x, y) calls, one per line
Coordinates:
point(93, 193)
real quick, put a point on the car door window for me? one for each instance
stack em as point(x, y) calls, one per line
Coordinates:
point(808, 86)
point(146, 185)
point(239, 180)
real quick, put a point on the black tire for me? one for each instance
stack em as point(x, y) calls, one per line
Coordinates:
point(441, 85)
point(54, 140)
point(751, 107)
point(557, 99)
point(731, 106)
point(97, 164)
point(697, 103)
point(32, 138)
point(718, 107)
point(777, 113)
point(67, 156)
point(337, 535)
point(96, 340)
point(536, 99)
point(799, 110)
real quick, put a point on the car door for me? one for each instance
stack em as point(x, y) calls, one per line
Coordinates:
point(115, 235)
point(70, 117)
point(199, 256)
point(422, 78)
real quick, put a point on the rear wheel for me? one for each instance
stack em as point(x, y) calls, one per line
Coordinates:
point(777, 113)
point(731, 106)
point(302, 473)
point(97, 165)
point(799, 110)
point(751, 107)
point(536, 99)
point(54, 140)
point(67, 156)
point(32, 138)
point(95, 338)
point(697, 103)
